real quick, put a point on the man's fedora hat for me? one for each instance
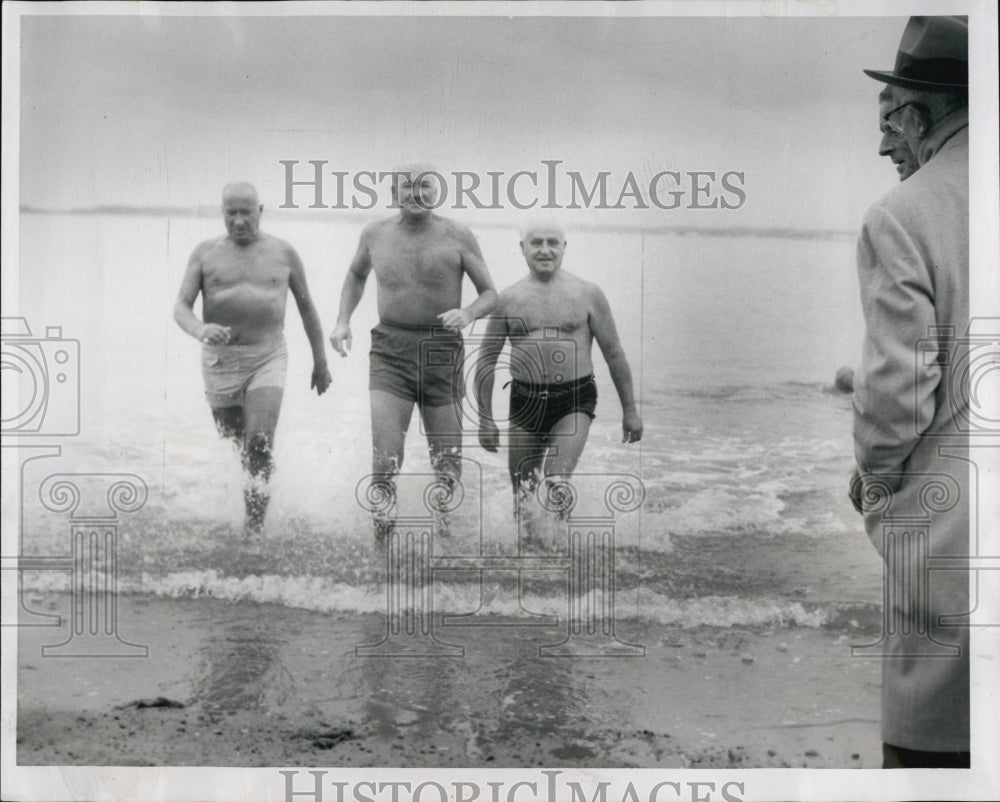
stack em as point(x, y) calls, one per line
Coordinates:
point(933, 55)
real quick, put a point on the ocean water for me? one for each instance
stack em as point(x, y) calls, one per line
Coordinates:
point(744, 461)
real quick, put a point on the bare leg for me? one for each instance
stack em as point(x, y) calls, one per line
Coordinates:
point(390, 421)
point(230, 423)
point(444, 439)
point(261, 408)
point(566, 443)
point(525, 453)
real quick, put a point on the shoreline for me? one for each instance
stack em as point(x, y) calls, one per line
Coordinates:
point(264, 685)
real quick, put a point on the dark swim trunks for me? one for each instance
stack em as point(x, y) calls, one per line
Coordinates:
point(536, 408)
point(418, 363)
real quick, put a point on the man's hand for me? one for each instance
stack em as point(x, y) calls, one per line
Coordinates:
point(856, 492)
point(341, 338)
point(320, 379)
point(631, 427)
point(489, 435)
point(214, 334)
point(456, 319)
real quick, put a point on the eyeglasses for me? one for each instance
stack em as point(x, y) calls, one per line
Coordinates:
point(896, 128)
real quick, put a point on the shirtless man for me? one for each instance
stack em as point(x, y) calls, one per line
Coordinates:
point(244, 280)
point(419, 260)
point(553, 395)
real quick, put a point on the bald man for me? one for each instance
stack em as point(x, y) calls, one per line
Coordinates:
point(420, 261)
point(244, 279)
point(552, 319)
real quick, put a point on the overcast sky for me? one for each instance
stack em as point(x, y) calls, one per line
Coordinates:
point(164, 110)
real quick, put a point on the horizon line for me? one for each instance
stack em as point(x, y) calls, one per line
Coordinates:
point(205, 211)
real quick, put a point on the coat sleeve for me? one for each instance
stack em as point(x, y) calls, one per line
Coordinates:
point(894, 399)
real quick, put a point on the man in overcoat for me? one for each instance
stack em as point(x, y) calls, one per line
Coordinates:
point(911, 405)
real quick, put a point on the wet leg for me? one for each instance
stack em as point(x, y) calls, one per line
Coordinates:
point(390, 422)
point(525, 455)
point(566, 443)
point(444, 439)
point(230, 424)
point(262, 406)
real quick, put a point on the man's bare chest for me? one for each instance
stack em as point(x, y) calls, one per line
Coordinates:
point(425, 262)
point(259, 268)
point(552, 314)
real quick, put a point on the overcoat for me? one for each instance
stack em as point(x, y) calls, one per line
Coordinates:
point(911, 423)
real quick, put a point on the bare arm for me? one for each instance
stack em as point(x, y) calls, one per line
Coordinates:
point(602, 324)
point(475, 268)
point(210, 333)
point(350, 295)
point(486, 364)
point(310, 321)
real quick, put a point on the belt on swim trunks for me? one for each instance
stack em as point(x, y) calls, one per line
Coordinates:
point(549, 390)
point(431, 328)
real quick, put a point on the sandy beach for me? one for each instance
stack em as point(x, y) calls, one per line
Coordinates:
point(246, 684)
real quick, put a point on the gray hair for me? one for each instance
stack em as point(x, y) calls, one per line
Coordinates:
point(539, 222)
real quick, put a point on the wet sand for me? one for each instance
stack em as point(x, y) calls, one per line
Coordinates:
point(246, 684)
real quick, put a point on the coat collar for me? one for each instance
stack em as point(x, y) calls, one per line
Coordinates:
point(945, 129)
